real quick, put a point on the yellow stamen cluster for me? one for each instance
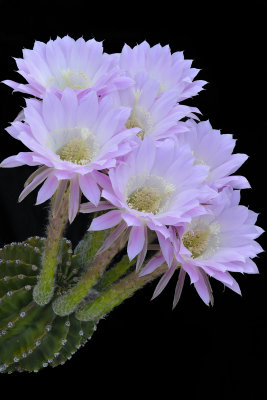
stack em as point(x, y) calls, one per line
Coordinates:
point(146, 199)
point(76, 151)
point(196, 242)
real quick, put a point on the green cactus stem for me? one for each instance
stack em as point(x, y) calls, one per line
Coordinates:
point(116, 294)
point(65, 305)
point(114, 273)
point(58, 218)
point(33, 337)
point(87, 248)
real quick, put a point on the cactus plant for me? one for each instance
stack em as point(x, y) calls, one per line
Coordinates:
point(33, 336)
point(114, 132)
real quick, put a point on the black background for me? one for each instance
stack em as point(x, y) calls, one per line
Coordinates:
point(143, 347)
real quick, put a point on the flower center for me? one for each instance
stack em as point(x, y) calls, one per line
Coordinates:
point(148, 193)
point(145, 199)
point(134, 123)
point(76, 151)
point(196, 242)
point(75, 80)
point(140, 118)
point(162, 88)
point(197, 160)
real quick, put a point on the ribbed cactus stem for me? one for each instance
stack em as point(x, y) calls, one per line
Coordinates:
point(66, 304)
point(116, 294)
point(58, 219)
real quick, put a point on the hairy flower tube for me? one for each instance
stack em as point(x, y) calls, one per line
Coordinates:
point(70, 139)
point(156, 185)
point(214, 244)
point(65, 62)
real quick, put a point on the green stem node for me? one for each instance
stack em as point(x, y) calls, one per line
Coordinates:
point(43, 291)
point(116, 294)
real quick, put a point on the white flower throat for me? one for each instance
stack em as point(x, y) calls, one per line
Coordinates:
point(72, 79)
point(139, 118)
point(76, 80)
point(196, 242)
point(149, 195)
point(203, 240)
point(77, 145)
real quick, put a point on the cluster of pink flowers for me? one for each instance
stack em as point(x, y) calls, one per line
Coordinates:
point(113, 125)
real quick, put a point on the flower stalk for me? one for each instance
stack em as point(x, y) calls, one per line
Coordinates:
point(66, 304)
point(58, 219)
point(116, 294)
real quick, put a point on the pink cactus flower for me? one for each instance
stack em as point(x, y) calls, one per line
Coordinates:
point(71, 139)
point(171, 71)
point(212, 245)
point(214, 149)
point(155, 185)
point(65, 62)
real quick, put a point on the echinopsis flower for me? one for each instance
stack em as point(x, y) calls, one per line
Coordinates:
point(171, 71)
point(213, 245)
point(156, 115)
point(64, 62)
point(113, 127)
point(70, 140)
point(214, 149)
point(154, 186)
